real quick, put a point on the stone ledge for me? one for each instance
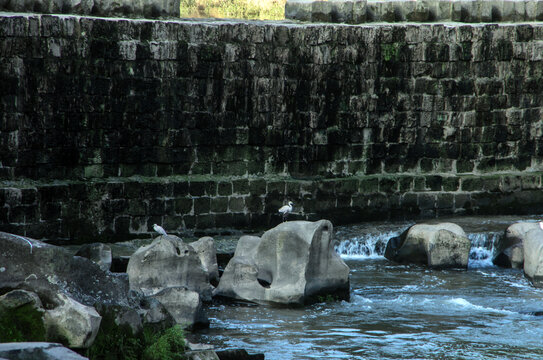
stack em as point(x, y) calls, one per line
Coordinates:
point(362, 11)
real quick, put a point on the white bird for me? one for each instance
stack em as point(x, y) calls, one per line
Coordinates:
point(286, 209)
point(541, 225)
point(159, 230)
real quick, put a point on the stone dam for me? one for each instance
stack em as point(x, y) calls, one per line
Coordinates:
point(109, 125)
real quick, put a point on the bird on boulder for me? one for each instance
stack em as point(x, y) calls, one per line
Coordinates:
point(286, 209)
point(159, 230)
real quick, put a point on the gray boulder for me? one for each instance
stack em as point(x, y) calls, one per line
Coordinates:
point(509, 250)
point(184, 305)
point(37, 351)
point(49, 270)
point(205, 248)
point(533, 256)
point(72, 322)
point(17, 298)
point(97, 252)
point(168, 262)
point(293, 263)
point(443, 245)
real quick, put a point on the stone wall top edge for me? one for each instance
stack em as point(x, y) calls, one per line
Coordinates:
point(272, 23)
point(27, 183)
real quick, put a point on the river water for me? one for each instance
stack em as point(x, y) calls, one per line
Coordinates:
point(399, 311)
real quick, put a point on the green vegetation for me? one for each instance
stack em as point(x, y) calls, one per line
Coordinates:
point(118, 342)
point(390, 52)
point(21, 324)
point(239, 9)
point(170, 345)
point(329, 298)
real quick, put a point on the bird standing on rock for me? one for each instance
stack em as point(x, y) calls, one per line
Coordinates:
point(286, 209)
point(159, 230)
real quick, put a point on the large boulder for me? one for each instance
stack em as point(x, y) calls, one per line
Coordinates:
point(48, 270)
point(443, 245)
point(72, 323)
point(509, 250)
point(168, 262)
point(184, 305)
point(205, 248)
point(533, 256)
point(37, 351)
point(293, 263)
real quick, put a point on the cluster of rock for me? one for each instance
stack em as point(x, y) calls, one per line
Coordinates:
point(446, 245)
point(166, 282)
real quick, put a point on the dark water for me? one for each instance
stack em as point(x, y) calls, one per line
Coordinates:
point(399, 311)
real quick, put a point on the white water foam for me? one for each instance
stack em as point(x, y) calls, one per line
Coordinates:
point(368, 246)
point(365, 246)
point(465, 304)
point(482, 249)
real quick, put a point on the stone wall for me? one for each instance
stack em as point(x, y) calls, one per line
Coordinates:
point(362, 11)
point(111, 125)
point(109, 8)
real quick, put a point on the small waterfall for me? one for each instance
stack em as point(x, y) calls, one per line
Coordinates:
point(371, 245)
point(482, 248)
point(366, 245)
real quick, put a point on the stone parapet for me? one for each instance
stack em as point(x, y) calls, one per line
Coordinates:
point(367, 11)
point(109, 8)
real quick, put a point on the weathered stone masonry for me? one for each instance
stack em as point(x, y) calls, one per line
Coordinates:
point(111, 125)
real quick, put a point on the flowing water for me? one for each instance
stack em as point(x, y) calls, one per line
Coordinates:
point(399, 311)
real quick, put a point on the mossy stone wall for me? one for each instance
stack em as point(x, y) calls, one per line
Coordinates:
point(110, 125)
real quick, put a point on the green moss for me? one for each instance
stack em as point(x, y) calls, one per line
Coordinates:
point(390, 52)
point(24, 323)
point(115, 341)
point(119, 342)
point(169, 346)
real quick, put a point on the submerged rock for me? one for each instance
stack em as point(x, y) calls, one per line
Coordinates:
point(443, 245)
point(293, 263)
point(509, 248)
point(533, 256)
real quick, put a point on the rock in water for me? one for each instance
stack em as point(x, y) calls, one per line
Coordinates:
point(205, 248)
point(533, 256)
point(184, 305)
point(168, 262)
point(509, 248)
point(443, 245)
point(293, 263)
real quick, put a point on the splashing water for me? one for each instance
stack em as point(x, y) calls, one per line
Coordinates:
point(373, 245)
point(366, 245)
point(482, 248)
